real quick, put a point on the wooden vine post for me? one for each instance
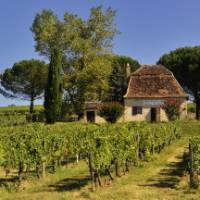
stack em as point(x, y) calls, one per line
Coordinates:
point(137, 148)
point(91, 170)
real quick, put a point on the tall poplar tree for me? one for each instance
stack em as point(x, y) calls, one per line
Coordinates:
point(53, 92)
point(48, 33)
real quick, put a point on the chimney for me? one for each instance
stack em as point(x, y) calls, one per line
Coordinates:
point(128, 70)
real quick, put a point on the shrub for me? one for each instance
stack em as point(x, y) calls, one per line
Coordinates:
point(191, 107)
point(111, 112)
point(171, 108)
point(35, 117)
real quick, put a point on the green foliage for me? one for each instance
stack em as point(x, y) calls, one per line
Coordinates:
point(194, 161)
point(12, 119)
point(37, 145)
point(19, 109)
point(50, 41)
point(11, 187)
point(111, 112)
point(82, 45)
point(195, 142)
point(25, 80)
point(53, 92)
point(47, 34)
point(184, 63)
point(18, 115)
point(88, 66)
point(35, 117)
point(122, 67)
point(191, 107)
point(172, 109)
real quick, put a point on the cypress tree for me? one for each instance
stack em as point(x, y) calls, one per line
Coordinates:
point(53, 92)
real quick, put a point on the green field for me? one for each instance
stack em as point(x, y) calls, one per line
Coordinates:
point(164, 177)
point(16, 115)
point(19, 108)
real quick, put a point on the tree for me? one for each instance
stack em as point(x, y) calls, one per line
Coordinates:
point(185, 64)
point(48, 32)
point(25, 80)
point(88, 67)
point(81, 43)
point(122, 67)
point(53, 92)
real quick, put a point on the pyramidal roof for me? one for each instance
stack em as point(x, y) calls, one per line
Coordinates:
point(152, 70)
point(153, 81)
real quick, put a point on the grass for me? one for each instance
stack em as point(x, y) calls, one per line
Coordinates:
point(19, 108)
point(191, 106)
point(162, 178)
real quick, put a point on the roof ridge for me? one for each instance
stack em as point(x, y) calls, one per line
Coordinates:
point(154, 69)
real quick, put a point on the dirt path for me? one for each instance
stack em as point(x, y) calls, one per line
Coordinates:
point(170, 175)
point(165, 181)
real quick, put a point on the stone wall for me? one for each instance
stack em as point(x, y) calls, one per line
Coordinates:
point(146, 105)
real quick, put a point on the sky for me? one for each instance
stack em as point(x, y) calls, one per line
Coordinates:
point(149, 28)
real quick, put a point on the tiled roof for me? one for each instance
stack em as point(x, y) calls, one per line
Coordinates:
point(153, 81)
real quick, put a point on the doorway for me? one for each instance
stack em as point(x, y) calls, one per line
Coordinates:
point(91, 116)
point(153, 114)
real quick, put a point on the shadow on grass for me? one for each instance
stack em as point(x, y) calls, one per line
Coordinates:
point(4, 181)
point(170, 176)
point(69, 184)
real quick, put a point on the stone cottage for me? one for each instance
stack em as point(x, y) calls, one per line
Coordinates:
point(149, 88)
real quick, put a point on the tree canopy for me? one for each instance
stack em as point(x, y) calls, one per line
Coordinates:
point(25, 80)
point(122, 67)
point(82, 45)
point(185, 64)
point(86, 65)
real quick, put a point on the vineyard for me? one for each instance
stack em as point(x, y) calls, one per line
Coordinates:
point(194, 161)
point(16, 115)
point(108, 150)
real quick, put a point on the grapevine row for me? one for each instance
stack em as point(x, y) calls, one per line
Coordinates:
point(194, 161)
point(105, 148)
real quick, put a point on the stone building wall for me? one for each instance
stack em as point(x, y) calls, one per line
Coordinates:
point(146, 105)
point(98, 119)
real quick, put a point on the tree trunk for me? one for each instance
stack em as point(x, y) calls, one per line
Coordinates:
point(37, 170)
point(20, 171)
point(43, 170)
point(97, 178)
point(198, 108)
point(127, 166)
point(109, 173)
point(54, 166)
point(117, 170)
point(31, 105)
point(137, 153)
point(92, 175)
point(77, 158)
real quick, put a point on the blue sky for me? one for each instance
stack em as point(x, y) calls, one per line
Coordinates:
point(148, 28)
